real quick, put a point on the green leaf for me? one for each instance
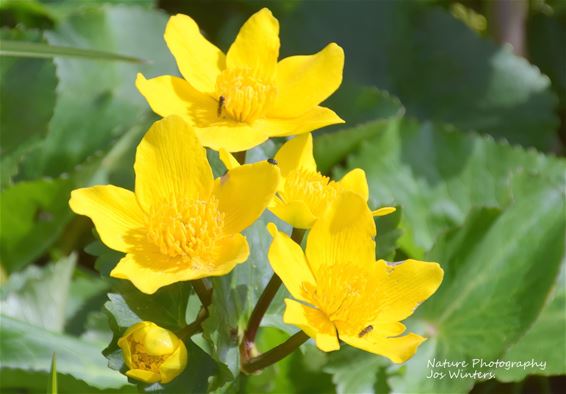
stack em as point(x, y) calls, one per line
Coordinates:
point(333, 148)
point(27, 102)
point(543, 342)
point(353, 370)
point(42, 50)
point(493, 290)
point(97, 101)
point(166, 307)
point(438, 175)
point(24, 346)
point(439, 68)
point(39, 295)
point(33, 215)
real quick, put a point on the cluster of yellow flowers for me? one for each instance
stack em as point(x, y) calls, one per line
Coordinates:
point(181, 224)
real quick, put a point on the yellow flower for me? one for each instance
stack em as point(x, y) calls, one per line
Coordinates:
point(180, 224)
point(304, 193)
point(238, 100)
point(152, 354)
point(344, 293)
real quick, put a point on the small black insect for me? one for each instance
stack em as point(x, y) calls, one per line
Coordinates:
point(365, 331)
point(221, 100)
point(272, 161)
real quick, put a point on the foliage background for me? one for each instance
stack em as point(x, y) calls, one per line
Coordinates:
point(461, 130)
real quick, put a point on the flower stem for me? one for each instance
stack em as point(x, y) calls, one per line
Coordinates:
point(247, 346)
point(190, 329)
point(203, 292)
point(277, 353)
point(240, 156)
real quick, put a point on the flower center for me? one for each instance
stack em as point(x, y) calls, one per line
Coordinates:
point(340, 293)
point(242, 96)
point(144, 361)
point(187, 228)
point(315, 189)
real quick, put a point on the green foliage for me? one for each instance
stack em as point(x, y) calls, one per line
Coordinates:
point(29, 347)
point(39, 296)
point(429, 106)
point(439, 175)
point(439, 68)
point(497, 279)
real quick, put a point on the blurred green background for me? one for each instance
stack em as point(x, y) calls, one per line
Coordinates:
point(455, 110)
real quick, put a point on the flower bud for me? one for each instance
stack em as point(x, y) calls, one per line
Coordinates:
point(152, 354)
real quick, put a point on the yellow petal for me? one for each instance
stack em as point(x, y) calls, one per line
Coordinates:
point(199, 61)
point(344, 234)
point(171, 164)
point(356, 181)
point(149, 270)
point(400, 287)
point(314, 323)
point(244, 192)
point(231, 136)
point(231, 250)
point(229, 161)
point(158, 341)
point(114, 211)
point(143, 375)
point(296, 153)
point(397, 349)
point(384, 211)
point(303, 82)
point(174, 364)
point(296, 213)
point(313, 119)
point(288, 261)
point(257, 45)
point(167, 95)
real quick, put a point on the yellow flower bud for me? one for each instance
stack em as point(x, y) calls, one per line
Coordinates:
point(152, 354)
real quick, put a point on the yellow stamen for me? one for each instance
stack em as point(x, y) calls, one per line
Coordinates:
point(315, 189)
point(142, 360)
point(244, 97)
point(186, 229)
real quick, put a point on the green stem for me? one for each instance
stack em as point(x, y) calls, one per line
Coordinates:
point(247, 346)
point(277, 353)
point(203, 292)
point(191, 329)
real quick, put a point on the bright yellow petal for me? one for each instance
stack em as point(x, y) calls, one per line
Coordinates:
point(114, 211)
point(344, 235)
point(231, 250)
point(167, 95)
point(288, 261)
point(228, 159)
point(397, 349)
point(158, 341)
point(174, 364)
point(231, 136)
point(398, 288)
point(314, 323)
point(143, 375)
point(311, 120)
point(303, 82)
point(355, 181)
point(244, 192)
point(171, 164)
point(296, 153)
point(199, 61)
point(296, 213)
point(257, 45)
point(384, 211)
